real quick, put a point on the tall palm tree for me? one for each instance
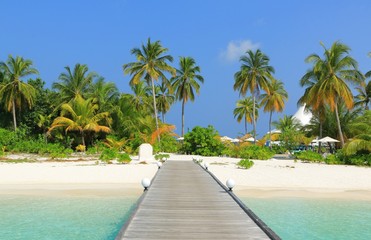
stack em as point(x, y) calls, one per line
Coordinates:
point(14, 91)
point(74, 83)
point(187, 82)
point(363, 98)
point(274, 100)
point(164, 99)
point(244, 110)
point(81, 116)
point(335, 69)
point(254, 75)
point(151, 65)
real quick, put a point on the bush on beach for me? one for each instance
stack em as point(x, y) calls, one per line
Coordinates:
point(245, 163)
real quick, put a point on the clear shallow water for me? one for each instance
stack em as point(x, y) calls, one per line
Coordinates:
point(300, 218)
point(57, 218)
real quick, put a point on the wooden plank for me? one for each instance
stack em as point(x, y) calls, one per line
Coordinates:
point(185, 202)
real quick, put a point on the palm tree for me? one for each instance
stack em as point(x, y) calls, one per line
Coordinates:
point(187, 82)
point(81, 116)
point(335, 70)
point(164, 99)
point(14, 92)
point(274, 100)
point(151, 65)
point(105, 94)
point(74, 83)
point(363, 98)
point(244, 110)
point(312, 101)
point(254, 74)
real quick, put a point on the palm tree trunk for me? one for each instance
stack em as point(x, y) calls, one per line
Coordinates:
point(320, 135)
point(270, 130)
point(14, 116)
point(183, 104)
point(253, 119)
point(83, 139)
point(245, 125)
point(339, 126)
point(154, 107)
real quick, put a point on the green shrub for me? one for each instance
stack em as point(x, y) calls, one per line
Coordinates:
point(245, 163)
point(162, 156)
point(332, 159)
point(108, 154)
point(256, 152)
point(168, 144)
point(7, 137)
point(309, 156)
point(202, 141)
point(123, 158)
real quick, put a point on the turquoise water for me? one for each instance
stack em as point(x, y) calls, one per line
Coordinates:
point(300, 218)
point(55, 218)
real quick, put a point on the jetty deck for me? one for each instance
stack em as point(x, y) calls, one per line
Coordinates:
point(186, 202)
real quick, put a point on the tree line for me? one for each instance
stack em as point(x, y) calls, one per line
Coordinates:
point(83, 107)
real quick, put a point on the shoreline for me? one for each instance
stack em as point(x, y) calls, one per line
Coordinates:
point(275, 178)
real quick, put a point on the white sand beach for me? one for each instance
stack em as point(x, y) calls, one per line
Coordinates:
point(271, 178)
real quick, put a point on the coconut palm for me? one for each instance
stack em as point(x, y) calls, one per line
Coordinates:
point(244, 110)
point(254, 75)
point(363, 98)
point(74, 83)
point(187, 82)
point(312, 101)
point(14, 92)
point(274, 100)
point(335, 69)
point(151, 65)
point(164, 99)
point(105, 94)
point(81, 116)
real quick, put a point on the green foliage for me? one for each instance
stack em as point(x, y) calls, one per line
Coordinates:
point(108, 154)
point(309, 156)
point(168, 144)
point(245, 163)
point(332, 159)
point(202, 141)
point(7, 137)
point(123, 158)
point(278, 149)
point(256, 152)
point(163, 156)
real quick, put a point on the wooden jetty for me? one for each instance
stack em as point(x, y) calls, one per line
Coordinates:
point(186, 202)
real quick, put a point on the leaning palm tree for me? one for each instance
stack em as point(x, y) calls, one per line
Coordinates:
point(254, 75)
point(74, 83)
point(14, 92)
point(274, 100)
point(151, 65)
point(335, 69)
point(81, 116)
point(187, 82)
point(244, 110)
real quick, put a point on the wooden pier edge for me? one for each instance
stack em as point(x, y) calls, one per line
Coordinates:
point(267, 230)
point(137, 204)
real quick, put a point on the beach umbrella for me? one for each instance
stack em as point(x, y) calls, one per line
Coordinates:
point(250, 139)
point(327, 139)
point(225, 138)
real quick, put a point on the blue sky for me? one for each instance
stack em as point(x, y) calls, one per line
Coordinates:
point(55, 34)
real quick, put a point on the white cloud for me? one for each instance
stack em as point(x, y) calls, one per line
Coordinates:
point(236, 49)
